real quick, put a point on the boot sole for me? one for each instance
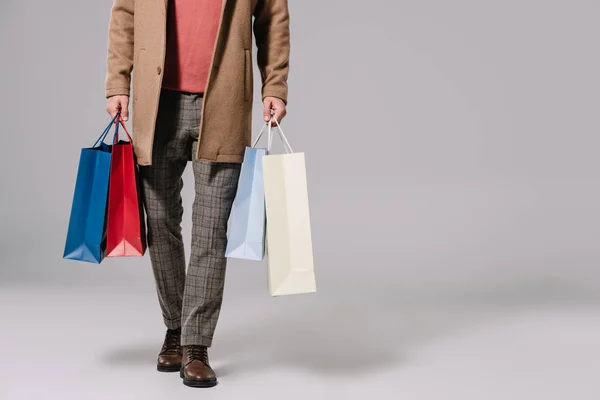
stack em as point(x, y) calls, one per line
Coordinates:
point(197, 384)
point(168, 368)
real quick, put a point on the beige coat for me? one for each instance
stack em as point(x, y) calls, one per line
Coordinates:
point(137, 41)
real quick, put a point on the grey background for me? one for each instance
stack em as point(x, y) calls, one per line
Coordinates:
point(452, 155)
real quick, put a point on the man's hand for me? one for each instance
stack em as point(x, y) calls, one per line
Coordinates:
point(278, 107)
point(117, 104)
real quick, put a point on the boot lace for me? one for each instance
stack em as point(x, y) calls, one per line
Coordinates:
point(196, 352)
point(172, 340)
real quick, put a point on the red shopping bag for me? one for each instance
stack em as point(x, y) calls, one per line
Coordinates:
point(125, 225)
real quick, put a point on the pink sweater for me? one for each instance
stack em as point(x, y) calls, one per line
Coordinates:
point(191, 33)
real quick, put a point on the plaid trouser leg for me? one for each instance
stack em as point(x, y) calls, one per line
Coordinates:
point(177, 122)
point(193, 301)
point(162, 184)
point(216, 185)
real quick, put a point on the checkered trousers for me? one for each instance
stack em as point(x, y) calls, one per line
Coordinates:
point(191, 301)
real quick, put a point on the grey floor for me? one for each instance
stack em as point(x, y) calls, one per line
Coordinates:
point(100, 342)
point(435, 294)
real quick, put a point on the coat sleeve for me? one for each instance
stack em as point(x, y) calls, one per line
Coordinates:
point(272, 33)
point(120, 49)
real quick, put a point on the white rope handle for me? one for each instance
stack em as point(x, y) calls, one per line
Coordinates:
point(259, 135)
point(286, 144)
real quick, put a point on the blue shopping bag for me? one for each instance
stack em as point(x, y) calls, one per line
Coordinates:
point(246, 236)
point(86, 235)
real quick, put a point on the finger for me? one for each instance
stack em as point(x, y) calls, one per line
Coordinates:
point(267, 110)
point(280, 114)
point(125, 109)
point(115, 111)
point(274, 116)
point(111, 108)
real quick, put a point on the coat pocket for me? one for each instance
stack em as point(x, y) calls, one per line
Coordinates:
point(247, 75)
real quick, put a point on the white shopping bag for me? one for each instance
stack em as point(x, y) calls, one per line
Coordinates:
point(289, 242)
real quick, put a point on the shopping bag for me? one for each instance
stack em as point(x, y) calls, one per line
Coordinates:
point(289, 242)
point(86, 234)
point(125, 225)
point(246, 236)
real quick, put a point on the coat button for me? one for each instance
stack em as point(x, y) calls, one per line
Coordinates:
point(158, 70)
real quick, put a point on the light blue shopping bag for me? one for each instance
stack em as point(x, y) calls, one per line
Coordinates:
point(246, 236)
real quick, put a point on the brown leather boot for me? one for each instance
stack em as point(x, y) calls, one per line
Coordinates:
point(196, 371)
point(169, 358)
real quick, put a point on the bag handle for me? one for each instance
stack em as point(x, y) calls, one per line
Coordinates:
point(116, 136)
point(105, 132)
point(107, 129)
point(286, 144)
point(259, 135)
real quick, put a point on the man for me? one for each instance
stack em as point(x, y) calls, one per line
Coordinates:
point(192, 101)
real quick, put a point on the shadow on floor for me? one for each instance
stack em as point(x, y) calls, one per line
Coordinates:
point(363, 330)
